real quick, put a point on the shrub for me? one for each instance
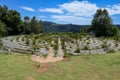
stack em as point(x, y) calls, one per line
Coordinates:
point(36, 37)
point(55, 51)
point(111, 51)
point(88, 42)
point(44, 55)
point(46, 47)
point(72, 41)
point(104, 46)
point(86, 47)
point(116, 44)
point(119, 49)
point(33, 42)
point(17, 38)
point(67, 55)
point(77, 50)
point(32, 51)
point(1, 43)
point(23, 39)
point(63, 44)
point(12, 39)
point(39, 41)
point(88, 37)
point(55, 46)
point(27, 41)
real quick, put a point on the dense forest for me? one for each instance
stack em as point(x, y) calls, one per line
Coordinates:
point(12, 24)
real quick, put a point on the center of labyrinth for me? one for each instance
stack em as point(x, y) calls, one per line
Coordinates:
point(51, 56)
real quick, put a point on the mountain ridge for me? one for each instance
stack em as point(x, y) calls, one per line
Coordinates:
point(55, 27)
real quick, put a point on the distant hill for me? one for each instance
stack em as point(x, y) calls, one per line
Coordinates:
point(118, 26)
point(54, 27)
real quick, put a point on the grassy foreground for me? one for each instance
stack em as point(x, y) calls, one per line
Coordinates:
point(84, 67)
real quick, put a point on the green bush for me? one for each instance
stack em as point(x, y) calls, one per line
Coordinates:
point(77, 50)
point(104, 46)
point(67, 55)
point(116, 44)
point(17, 38)
point(1, 43)
point(63, 44)
point(44, 55)
point(23, 38)
point(12, 39)
point(3, 30)
point(55, 51)
point(27, 41)
point(111, 51)
point(56, 47)
point(86, 47)
point(33, 42)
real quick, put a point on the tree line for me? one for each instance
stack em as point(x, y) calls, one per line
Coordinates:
point(11, 24)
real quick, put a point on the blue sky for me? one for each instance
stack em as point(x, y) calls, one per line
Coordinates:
point(65, 11)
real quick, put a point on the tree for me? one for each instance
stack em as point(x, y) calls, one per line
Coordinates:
point(11, 19)
point(26, 28)
point(102, 24)
point(13, 22)
point(21, 28)
point(26, 19)
point(2, 29)
point(41, 27)
point(14, 25)
point(34, 26)
point(3, 13)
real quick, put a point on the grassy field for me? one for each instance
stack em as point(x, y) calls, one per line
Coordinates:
point(84, 67)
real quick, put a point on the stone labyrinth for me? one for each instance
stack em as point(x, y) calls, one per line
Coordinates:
point(52, 46)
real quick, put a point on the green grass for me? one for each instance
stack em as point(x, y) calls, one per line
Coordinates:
point(84, 67)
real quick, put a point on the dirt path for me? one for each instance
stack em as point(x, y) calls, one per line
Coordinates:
point(50, 57)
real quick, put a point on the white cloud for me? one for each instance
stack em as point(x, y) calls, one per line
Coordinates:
point(27, 8)
point(41, 16)
point(77, 8)
point(76, 12)
point(52, 10)
point(79, 12)
point(72, 19)
point(115, 9)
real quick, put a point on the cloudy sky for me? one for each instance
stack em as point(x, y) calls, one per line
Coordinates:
point(65, 11)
